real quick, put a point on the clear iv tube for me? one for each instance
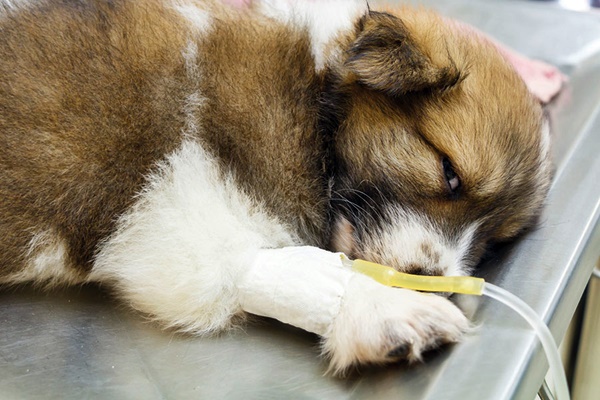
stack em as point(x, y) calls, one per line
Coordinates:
point(561, 389)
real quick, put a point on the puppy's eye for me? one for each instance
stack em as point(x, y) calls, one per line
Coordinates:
point(452, 179)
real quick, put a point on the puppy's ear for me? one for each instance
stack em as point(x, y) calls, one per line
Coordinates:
point(385, 57)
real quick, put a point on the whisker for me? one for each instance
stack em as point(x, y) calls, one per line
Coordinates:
point(368, 200)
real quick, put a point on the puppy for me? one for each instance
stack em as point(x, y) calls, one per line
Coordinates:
point(208, 162)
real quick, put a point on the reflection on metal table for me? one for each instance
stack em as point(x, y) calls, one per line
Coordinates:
point(79, 343)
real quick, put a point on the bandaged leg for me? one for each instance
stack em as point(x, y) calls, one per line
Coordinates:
point(360, 320)
point(301, 286)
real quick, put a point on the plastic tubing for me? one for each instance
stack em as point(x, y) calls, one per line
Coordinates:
point(474, 286)
point(561, 389)
point(390, 277)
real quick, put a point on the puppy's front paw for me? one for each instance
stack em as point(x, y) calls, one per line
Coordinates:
point(378, 324)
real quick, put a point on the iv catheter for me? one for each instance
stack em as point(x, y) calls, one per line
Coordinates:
point(474, 286)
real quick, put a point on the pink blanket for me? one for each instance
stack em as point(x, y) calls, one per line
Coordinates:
point(542, 79)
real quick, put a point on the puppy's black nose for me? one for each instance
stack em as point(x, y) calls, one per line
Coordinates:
point(418, 269)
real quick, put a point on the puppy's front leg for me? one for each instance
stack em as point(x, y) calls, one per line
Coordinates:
point(360, 320)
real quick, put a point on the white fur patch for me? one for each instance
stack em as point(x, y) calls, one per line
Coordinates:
point(545, 158)
point(190, 58)
point(546, 140)
point(16, 4)
point(200, 20)
point(46, 262)
point(192, 105)
point(12, 7)
point(194, 100)
point(461, 250)
point(178, 254)
point(411, 239)
point(325, 20)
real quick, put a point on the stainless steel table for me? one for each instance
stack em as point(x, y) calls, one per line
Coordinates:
point(79, 343)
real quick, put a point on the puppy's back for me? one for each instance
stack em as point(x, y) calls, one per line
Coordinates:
point(94, 94)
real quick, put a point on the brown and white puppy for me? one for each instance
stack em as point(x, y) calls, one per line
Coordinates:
point(180, 150)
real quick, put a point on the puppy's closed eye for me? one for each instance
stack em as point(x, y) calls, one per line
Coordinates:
point(452, 179)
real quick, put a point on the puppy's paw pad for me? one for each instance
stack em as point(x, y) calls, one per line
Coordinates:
point(399, 353)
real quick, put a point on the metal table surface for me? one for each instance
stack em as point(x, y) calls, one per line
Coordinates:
point(80, 343)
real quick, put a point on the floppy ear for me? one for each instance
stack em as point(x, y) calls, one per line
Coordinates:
point(385, 57)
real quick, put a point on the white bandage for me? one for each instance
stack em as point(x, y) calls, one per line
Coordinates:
point(301, 286)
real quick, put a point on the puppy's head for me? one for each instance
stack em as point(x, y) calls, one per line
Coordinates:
point(439, 148)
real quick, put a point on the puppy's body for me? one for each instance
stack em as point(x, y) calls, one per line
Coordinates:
point(158, 146)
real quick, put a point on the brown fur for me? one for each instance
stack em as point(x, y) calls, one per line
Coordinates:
point(91, 98)
point(262, 100)
point(87, 108)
